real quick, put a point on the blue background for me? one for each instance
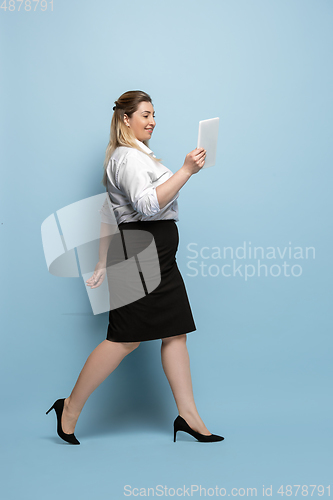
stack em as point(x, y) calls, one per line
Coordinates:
point(261, 355)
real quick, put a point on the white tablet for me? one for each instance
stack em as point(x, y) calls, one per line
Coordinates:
point(207, 139)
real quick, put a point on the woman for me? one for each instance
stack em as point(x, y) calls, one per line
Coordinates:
point(144, 195)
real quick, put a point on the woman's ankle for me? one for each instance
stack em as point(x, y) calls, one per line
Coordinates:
point(68, 406)
point(194, 420)
point(189, 416)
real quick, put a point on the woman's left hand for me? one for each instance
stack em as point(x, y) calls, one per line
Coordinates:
point(98, 276)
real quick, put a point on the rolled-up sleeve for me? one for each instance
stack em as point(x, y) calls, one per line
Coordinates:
point(134, 180)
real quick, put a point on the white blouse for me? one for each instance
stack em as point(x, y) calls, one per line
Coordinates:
point(132, 178)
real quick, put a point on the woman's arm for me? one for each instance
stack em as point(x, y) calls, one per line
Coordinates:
point(166, 191)
point(108, 228)
point(194, 161)
point(104, 241)
point(106, 235)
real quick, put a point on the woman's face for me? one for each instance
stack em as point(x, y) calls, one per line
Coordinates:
point(142, 122)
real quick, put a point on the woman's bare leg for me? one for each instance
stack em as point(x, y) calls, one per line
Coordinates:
point(176, 365)
point(101, 362)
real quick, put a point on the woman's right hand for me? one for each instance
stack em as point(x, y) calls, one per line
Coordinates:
point(98, 276)
point(195, 160)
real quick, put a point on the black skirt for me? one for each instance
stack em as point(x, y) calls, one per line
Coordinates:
point(162, 310)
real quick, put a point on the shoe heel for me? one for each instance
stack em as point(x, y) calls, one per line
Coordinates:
point(48, 411)
point(174, 435)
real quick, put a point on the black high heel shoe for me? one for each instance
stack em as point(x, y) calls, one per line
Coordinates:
point(181, 425)
point(58, 406)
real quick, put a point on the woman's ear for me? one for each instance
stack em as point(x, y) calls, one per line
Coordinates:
point(126, 120)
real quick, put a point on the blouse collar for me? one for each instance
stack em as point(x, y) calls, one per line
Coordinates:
point(144, 147)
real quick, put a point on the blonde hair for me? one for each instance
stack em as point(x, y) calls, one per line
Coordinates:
point(120, 134)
